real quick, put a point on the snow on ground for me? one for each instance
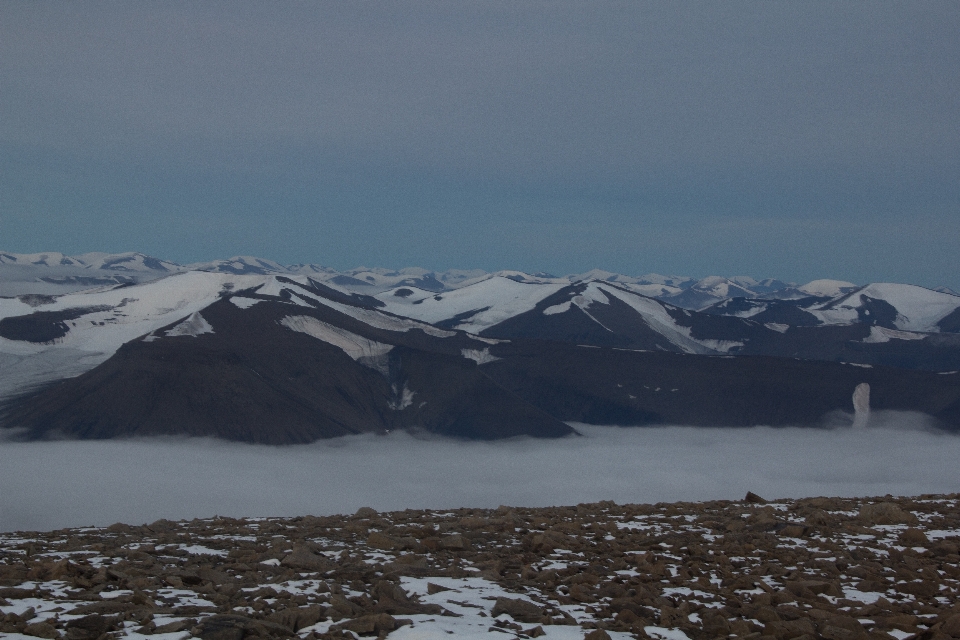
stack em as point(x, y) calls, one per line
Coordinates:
point(56, 484)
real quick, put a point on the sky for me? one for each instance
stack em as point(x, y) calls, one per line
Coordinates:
point(795, 140)
point(50, 485)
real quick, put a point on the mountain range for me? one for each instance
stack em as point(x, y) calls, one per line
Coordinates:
point(103, 346)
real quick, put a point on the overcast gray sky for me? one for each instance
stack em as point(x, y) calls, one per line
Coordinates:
point(786, 139)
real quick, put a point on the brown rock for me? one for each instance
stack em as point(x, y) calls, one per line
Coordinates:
point(370, 624)
point(235, 627)
point(88, 627)
point(914, 538)
point(842, 628)
point(519, 610)
point(792, 531)
point(763, 519)
point(365, 512)
point(581, 594)
point(177, 625)
point(456, 542)
point(804, 587)
point(435, 588)
point(297, 618)
point(921, 589)
point(42, 630)
point(735, 524)
point(715, 624)
point(379, 540)
point(754, 498)
point(951, 626)
point(820, 518)
point(304, 559)
point(535, 632)
point(104, 607)
point(597, 634)
point(766, 615)
point(886, 513)
point(799, 627)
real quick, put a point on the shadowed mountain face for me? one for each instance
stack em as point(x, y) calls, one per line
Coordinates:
point(253, 379)
point(276, 359)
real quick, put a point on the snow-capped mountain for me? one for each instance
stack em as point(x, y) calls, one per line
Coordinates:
point(24, 273)
point(53, 273)
point(252, 350)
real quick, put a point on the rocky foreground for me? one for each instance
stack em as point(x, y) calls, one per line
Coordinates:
point(841, 569)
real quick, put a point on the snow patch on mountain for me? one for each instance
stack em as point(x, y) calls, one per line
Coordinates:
point(362, 350)
point(882, 334)
point(244, 302)
point(563, 307)
point(480, 356)
point(824, 287)
point(372, 317)
point(403, 398)
point(658, 319)
point(194, 325)
point(493, 299)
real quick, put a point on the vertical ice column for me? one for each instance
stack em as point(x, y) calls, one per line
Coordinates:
point(861, 405)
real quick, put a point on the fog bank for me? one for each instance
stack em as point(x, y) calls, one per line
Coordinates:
point(48, 485)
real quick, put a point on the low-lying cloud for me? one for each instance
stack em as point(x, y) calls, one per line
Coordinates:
point(48, 485)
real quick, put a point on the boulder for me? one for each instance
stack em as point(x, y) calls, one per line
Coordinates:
point(370, 624)
point(519, 610)
point(42, 630)
point(886, 513)
point(306, 560)
point(914, 538)
point(951, 626)
point(379, 540)
point(842, 628)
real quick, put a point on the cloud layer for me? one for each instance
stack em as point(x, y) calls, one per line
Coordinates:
point(57, 484)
